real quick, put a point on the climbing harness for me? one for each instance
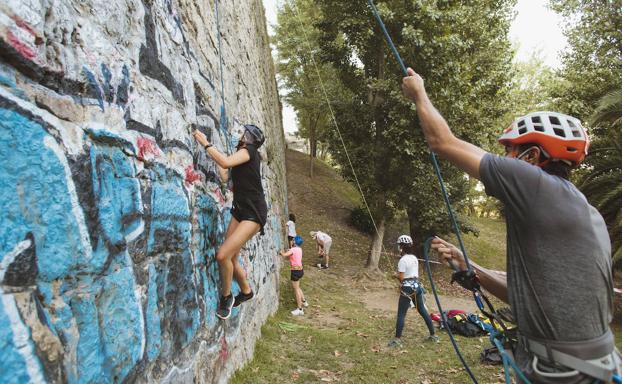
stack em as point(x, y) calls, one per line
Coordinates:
point(414, 284)
point(603, 368)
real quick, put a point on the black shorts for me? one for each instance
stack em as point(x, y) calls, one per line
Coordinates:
point(250, 209)
point(297, 274)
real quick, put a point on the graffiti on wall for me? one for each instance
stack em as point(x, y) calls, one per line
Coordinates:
point(110, 216)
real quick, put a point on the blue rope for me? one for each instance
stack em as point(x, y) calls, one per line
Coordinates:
point(223, 113)
point(426, 256)
point(437, 167)
point(617, 378)
point(507, 361)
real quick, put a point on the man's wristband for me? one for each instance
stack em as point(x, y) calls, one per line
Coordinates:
point(209, 145)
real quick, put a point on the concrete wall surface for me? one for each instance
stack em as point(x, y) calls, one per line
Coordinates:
point(110, 214)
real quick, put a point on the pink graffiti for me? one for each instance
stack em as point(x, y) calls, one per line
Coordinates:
point(191, 175)
point(24, 25)
point(224, 349)
point(147, 149)
point(219, 195)
point(21, 47)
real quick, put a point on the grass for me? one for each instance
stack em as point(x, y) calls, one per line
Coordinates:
point(339, 339)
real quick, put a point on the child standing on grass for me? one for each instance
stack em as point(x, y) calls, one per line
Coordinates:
point(291, 229)
point(411, 291)
point(295, 260)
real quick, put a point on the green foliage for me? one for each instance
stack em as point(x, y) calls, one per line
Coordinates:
point(532, 86)
point(592, 65)
point(608, 113)
point(359, 218)
point(602, 184)
point(296, 41)
point(463, 53)
point(591, 89)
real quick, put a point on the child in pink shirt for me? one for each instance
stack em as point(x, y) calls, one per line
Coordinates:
point(295, 261)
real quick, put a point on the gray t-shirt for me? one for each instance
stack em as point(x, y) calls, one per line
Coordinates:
point(558, 252)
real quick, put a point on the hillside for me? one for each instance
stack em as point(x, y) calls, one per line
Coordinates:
point(343, 335)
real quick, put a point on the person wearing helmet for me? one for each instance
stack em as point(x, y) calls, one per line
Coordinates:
point(248, 214)
point(558, 248)
point(295, 261)
point(411, 290)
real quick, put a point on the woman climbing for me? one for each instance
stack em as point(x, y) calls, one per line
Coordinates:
point(295, 261)
point(410, 290)
point(248, 214)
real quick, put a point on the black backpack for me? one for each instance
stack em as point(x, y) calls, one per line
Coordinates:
point(462, 326)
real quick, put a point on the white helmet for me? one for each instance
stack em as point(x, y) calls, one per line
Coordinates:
point(404, 240)
point(562, 137)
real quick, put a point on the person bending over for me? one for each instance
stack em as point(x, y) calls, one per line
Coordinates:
point(323, 242)
point(559, 282)
point(248, 214)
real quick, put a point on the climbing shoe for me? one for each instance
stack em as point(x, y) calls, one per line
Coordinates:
point(432, 339)
point(305, 303)
point(225, 306)
point(242, 297)
point(395, 343)
point(298, 312)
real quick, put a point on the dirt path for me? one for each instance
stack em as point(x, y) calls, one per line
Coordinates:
point(386, 300)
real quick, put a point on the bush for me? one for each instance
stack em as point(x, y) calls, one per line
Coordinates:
point(359, 219)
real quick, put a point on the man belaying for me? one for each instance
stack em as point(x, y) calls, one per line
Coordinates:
point(559, 283)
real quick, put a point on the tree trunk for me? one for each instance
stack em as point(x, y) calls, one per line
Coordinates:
point(416, 231)
point(376, 247)
point(313, 143)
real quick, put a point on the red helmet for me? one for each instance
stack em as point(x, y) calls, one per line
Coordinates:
point(562, 137)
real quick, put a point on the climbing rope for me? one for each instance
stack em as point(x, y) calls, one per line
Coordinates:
point(435, 164)
point(426, 256)
point(334, 120)
point(223, 113)
point(477, 294)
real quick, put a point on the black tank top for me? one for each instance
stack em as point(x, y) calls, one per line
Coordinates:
point(247, 177)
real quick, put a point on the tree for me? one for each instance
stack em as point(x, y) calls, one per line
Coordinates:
point(296, 41)
point(603, 183)
point(593, 62)
point(532, 86)
point(590, 89)
point(464, 54)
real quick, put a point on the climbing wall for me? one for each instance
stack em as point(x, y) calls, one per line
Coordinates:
point(110, 215)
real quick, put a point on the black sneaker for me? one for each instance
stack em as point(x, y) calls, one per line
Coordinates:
point(225, 306)
point(242, 297)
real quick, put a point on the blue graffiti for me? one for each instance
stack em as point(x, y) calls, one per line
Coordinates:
point(120, 266)
point(211, 229)
point(39, 200)
point(104, 91)
point(168, 242)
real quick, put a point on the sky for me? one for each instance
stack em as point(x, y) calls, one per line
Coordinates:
point(535, 28)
